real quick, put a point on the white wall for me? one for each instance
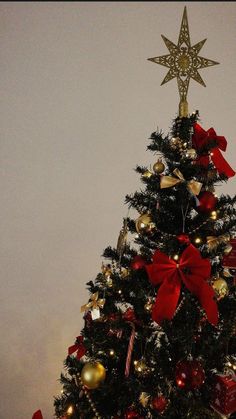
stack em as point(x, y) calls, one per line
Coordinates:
point(78, 102)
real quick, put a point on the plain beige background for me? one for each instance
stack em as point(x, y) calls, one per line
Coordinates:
point(78, 102)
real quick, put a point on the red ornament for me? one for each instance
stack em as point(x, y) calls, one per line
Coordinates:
point(224, 394)
point(131, 414)
point(189, 374)
point(138, 262)
point(183, 238)
point(159, 403)
point(207, 202)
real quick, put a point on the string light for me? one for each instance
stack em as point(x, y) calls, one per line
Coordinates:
point(198, 240)
point(176, 257)
point(111, 352)
point(213, 215)
point(70, 410)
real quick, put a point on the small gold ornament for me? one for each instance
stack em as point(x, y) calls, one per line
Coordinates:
point(144, 399)
point(220, 287)
point(147, 174)
point(175, 142)
point(122, 239)
point(141, 367)
point(159, 167)
point(148, 306)
point(144, 224)
point(109, 282)
point(191, 154)
point(92, 375)
point(106, 270)
point(125, 272)
point(228, 249)
point(94, 305)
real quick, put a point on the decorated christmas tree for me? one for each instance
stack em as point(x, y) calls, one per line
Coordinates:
point(159, 325)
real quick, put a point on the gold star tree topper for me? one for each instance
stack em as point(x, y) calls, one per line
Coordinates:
point(183, 62)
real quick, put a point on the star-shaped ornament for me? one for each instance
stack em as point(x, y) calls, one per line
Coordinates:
point(183, 62)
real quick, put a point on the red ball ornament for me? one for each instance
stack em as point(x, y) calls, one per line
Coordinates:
point(207, 202)
point(159, 403)
point(131, 414)
point(183, 238)
point(189, 374)
point(138, 262)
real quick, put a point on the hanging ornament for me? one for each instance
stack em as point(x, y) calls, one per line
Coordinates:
point(94, 305)
point(159, 167)
point(137, 263)
point(149, 305)
point(144, 399)
point(144, 224)
point(175, 143)
point(191, 154)
point(92, 375)
point(159, 403)
point(131, 414)
point(207, 202)
point(122, 239)
point(141, 367)
point(183, 239)
point(147, 174)
point(189, 374)
point(220, 287)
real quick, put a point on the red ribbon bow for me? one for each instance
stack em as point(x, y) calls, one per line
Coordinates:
point(200, 140)
point(79, 347)
point(37, 415)
point(193, 270)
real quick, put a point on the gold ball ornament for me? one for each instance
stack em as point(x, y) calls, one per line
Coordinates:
point(92, 375)
point(191, 154)
point(147, 174)
point(175, 142)
point(159, 167)
point(144, 224)
point(220, 287)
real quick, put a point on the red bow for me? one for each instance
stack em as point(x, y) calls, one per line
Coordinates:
point(200, 140)
point(79, 347)
point(37, 415)
point(193, 270)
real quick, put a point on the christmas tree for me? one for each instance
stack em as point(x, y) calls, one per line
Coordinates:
point(159, 325)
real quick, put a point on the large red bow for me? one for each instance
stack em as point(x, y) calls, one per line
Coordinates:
point(193, 270)
point(79, 347)
point(200, 140)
